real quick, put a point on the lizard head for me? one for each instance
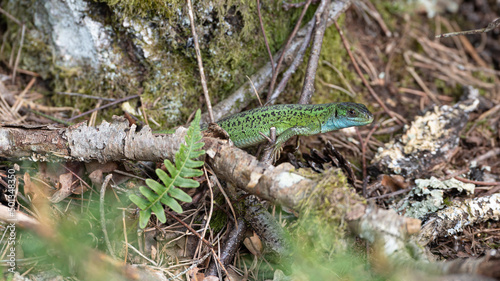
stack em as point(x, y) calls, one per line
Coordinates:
point(346, 114)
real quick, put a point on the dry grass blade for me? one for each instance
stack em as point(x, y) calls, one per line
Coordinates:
point(103, 216)
point(18, 57)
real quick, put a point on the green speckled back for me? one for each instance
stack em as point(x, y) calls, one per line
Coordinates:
point(244, 127)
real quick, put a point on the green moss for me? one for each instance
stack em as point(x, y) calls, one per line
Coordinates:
point(230, 52)
point(162, 64)
point(390, 11)
point(321, 252)
point(219, 217)
point(454, 89)
point(329, 201)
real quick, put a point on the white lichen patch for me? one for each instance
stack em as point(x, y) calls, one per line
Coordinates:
point(145, 38)
point(453, 219)
point(425, 141)
point(78, 38)
point(428, 196)
point(434, 183)
point(421, 135)
point(422, 132)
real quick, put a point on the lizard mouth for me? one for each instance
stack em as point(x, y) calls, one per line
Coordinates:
point(367, 119)
point(364, 118)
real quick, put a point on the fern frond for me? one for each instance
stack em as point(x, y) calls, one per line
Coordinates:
point(179, 175)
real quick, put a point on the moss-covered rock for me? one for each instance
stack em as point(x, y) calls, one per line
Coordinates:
point(118, 48)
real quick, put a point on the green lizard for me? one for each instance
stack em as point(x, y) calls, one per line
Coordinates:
point(249, 127)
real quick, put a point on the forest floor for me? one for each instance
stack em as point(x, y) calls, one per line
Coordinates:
point(411, 73)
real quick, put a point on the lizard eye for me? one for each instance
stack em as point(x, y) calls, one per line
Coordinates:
point(352, 113)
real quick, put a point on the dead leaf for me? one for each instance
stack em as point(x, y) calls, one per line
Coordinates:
point(96, 177)
point(65, 190)
point(253, 244)
point(394, 182)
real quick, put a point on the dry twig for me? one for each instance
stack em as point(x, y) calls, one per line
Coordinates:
point(280, 60)
point(200, 62)
point(103, 107)
point(265, 38)
point(321, 17)
point(293, 67)
point(492, 25)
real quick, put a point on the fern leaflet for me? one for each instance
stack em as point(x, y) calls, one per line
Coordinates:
point(181, 173)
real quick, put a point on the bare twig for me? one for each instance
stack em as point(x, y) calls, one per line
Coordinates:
point(319, 32)
point(195, 263)
point(240, 98)
point(226, 197)
point(27, 72)
point(207, 224)
point(485, 183)
point(141, 254)
point(390, 194)
point(342, 77)
point(265, 38)
point(287, 6)
point(421, 83)
point(335, 87)
point(293, 67)
point(19, 102)
point(470, 49)
point(364, 144)
point(11, 17)
point(84, 96)
point(491, 153)
point(373, 12)
point(255, 90)
point(231, 246)
point(492, 25)
point(103, 107)
point(367, 85)
point(267, 155)
point(200, 62)
point(280, 61)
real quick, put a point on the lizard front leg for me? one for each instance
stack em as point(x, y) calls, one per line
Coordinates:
point(290, 132)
